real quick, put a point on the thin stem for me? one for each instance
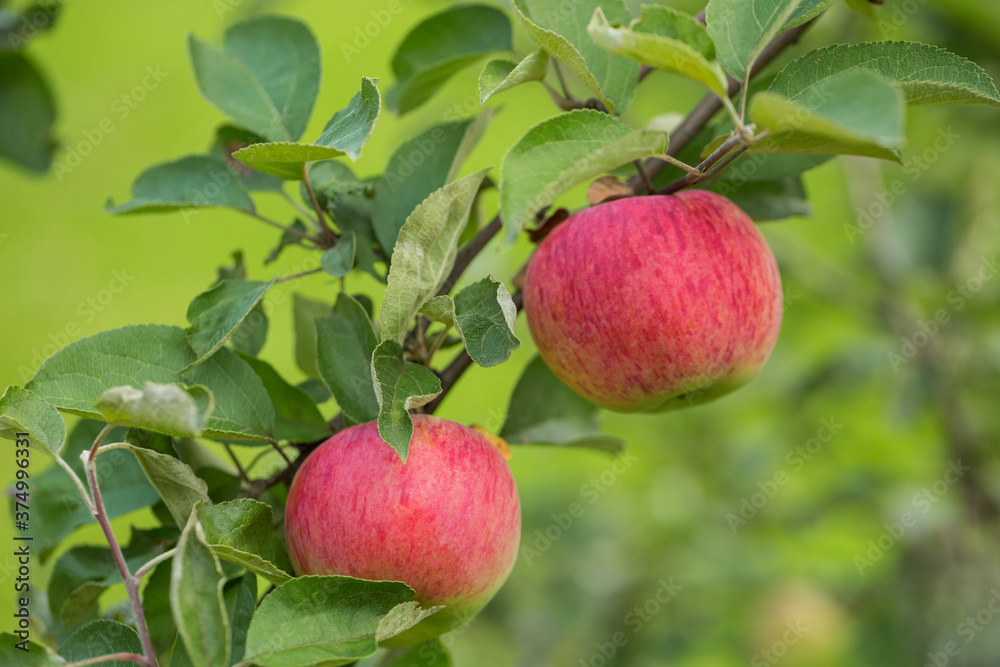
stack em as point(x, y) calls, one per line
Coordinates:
point(283, 228)
point(677, 163)
point(131, 582)
point(296, 276)
point(153, 562)
point(236, 462)
point(111, 657)
point(562, 81)
point(76, 480)
point(733, 145)
point(306, 213)
point(276, 447)
point(324, 227)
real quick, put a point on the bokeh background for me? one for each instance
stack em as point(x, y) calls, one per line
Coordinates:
point(815, 517)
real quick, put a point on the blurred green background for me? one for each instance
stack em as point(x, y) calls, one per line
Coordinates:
point(808, 519)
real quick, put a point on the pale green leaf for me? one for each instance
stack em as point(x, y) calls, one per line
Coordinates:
point(561, 152)
point(425, 253)
point(401, 618)
point(853, 112)
point(173, 479)
point(742, 28)
point(564, 35)
point(22, 414)
point(172, 409)
point(400, 386)
point(243, 532)
point(196, 600)
point(484, 315)
point(327, 620)
point(500, 75)
point(296, 417)
point(345, 134)
point(666, 39)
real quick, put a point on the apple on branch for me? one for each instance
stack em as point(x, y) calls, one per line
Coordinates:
point(647, 304)
point(447, 522)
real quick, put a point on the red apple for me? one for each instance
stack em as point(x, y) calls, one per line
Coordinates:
point(447, 521)
point(651, 303)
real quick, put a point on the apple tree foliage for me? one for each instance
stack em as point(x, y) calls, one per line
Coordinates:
point(159, 403)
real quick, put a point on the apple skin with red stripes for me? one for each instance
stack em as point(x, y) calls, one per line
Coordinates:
point(447, 522)
point(652, 303)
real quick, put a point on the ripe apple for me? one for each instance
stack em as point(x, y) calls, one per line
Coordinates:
point(651, 303)
point(447, 521)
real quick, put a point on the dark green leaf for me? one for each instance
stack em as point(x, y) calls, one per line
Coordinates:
point(241, 602)
point(440, 46)
point(766, 200)
point(742, 28)
point(217, 313)
point(543, 410)
point(418, 168)
point(339, 260)
point(305, 312)
point(287, 238)
point(156, 607)
point(346, 343)
point(102, 637)
point(265, 77)
point(195, 181)
point(75, 377)
point(296, 419)
point(27, 113)
point(228, 140)
point(32, 655)
point(429, 654)
point(484, 316)
point(400, 386)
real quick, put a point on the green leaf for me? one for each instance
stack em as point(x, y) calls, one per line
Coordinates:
point(440, 46)
point(305, 312)
point(74, 378)
point(500, 75)
point(766, 200)
point(35, 655)
point(296, 419)
point(484, 315)
point(854, 112)
point(328, 620)
point(172, 409)
point(251, 334)
point(196, 583)
point(925, 74)
point(543, 410)
point(27, 114)
point(241, 602)
point(666, 39)
point(742, 28)
point(561, 152)
point(124, 488)
point(402, 617)
point(345, 134)
point(242, 532)
point(339, 260)
point(425, 253)
point(429, 654)
point(400, 386)
point(564, 35)
point(346, 343)
point(218, 312)
point(101, 637)
point(23, 412)
point(349, 202)
point(173, 479)
point(266, 76)
point(195, 181)
point(228, 140)
point(810, 9)
point(287, 238)
point(418, 168)
point(156, 607)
